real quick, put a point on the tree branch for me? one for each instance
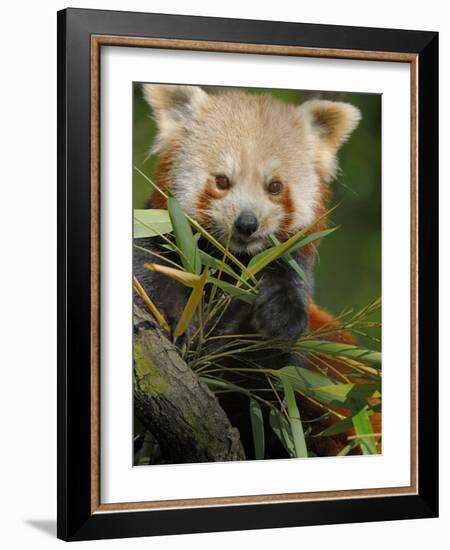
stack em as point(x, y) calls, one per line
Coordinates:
point(174, 404)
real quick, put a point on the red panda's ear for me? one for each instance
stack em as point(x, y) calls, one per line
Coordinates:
point(172, 106)
point(333, 121)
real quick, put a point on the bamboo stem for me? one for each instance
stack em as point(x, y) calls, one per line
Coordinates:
point(150, 304)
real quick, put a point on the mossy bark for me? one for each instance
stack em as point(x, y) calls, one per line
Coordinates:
point(175, 405)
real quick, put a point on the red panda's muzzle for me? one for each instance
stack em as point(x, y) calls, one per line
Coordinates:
point(246, 224)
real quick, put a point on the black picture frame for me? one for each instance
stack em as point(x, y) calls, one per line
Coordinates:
point(76, 520)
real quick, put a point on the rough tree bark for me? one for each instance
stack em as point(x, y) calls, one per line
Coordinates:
point(174, 404)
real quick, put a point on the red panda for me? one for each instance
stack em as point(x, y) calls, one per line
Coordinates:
point(254, 166)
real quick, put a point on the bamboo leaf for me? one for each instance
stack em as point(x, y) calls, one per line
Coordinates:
point(151, 222)
point(343, 392)
point(304, 378)
point(225, 384)
point(184, 236)
point(324, 389)
point(221, 248)
point(264, 258)
point(326, 347)
point(282, 430)
point(311, 238)
point(214, 263)
point(291, 262)
point(150, 304)
point(344, 424)
point(337, 428)
point(184, 277)
point(307, 381)
point(363, 429)
point(257, 422)
point(300, 272)
point(191, 305)
point(295, 422)
point(347, 449)
point(233, 290)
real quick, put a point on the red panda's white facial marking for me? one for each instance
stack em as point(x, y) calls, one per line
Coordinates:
point(233, 153)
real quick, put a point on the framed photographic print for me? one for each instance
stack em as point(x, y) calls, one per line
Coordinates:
point(247, 274)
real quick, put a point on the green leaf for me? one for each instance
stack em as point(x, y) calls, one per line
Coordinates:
point(214, 263)
point(184, 277)
point(326, 347)
point(290, 261)
point(342, 392)
point(224, 384)
point(233, 290)
point(260, 258)
point(264, 258)
point(219, 246)
point(347, 449)
point(191, 305)
point(257, 421)
point(322, 388)
point(363, 429)
point(337, 428)
point(342, 425)
point(282, 430)
point(287, 258)
point(310, 238)
point(184, 236)
point(295, 422)
point(306, 381)
point(150, 223)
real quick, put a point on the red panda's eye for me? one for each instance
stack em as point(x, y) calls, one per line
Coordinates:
point(222, 182)
point(275, 187)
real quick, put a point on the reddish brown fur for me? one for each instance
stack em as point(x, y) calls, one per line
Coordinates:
point(163, 180)
point(202, 207)
point(319, 319)
point(321, 208)
point(207, 196)
point(285, 199)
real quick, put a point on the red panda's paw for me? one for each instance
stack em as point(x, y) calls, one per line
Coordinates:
point(281, 307)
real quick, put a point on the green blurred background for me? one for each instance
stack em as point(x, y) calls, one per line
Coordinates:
point(348, 269)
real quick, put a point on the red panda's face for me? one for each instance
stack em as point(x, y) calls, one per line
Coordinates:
point(244, 180)
point(247, 166)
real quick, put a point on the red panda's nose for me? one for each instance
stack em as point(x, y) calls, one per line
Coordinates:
point(246, 223)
